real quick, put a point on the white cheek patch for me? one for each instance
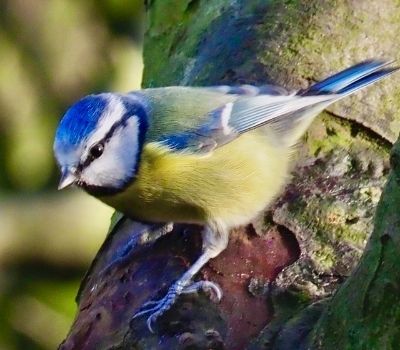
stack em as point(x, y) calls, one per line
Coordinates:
point(113, 113)
point(117, 163)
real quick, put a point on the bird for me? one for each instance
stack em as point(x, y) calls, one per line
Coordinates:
point(215, 156)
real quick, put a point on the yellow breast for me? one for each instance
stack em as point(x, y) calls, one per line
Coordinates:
point(230, 185)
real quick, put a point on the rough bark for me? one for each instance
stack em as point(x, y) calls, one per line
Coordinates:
point(326, 212)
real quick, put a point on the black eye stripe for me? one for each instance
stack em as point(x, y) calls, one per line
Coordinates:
point(120, 123)
point(139, 112)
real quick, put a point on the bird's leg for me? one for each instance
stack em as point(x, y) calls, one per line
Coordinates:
point(214, 242)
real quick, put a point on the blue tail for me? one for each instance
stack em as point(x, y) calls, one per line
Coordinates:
point(352, 79)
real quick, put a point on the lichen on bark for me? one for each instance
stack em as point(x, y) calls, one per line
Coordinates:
point(365, 312)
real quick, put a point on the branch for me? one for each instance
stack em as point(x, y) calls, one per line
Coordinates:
point(326, 211)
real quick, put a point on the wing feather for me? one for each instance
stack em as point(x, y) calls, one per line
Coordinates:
point(240, 109)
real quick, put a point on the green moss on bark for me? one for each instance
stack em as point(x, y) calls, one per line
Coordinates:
point(333, 196)
point(365, 312)
point(175, 29)
point(308, 40)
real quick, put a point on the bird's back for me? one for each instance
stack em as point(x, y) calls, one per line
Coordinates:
point(176, 108)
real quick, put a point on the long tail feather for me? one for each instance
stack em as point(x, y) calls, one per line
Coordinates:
point(351, 79)
point(289, 116)
point(367, 80)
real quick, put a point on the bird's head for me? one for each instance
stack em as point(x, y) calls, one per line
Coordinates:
point(99, 140)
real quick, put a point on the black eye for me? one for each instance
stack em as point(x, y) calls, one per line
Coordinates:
point(97, 150)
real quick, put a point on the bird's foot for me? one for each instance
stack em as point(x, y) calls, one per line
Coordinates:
point(157, 308)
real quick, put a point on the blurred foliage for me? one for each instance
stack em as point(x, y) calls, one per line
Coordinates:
point(52, 53)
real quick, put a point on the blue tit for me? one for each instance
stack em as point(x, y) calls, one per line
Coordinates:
point(215, 156)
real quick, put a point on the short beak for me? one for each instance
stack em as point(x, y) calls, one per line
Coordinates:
point(67, 179)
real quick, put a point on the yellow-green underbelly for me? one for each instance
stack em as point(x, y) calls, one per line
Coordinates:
point(230, 185)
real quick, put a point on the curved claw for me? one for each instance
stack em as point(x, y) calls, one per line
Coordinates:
point(151, 302)
point(144, 312)
point(164, 304)
point(206, 286)
point(152, 319)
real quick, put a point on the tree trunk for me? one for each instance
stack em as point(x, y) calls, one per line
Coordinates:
point(277, 274)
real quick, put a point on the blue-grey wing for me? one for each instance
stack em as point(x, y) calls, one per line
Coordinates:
point(250, 90)
point(287, 115)
point(247, 112)
point(212, 132)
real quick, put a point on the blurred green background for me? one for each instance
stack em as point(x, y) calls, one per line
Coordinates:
point(52, 52)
